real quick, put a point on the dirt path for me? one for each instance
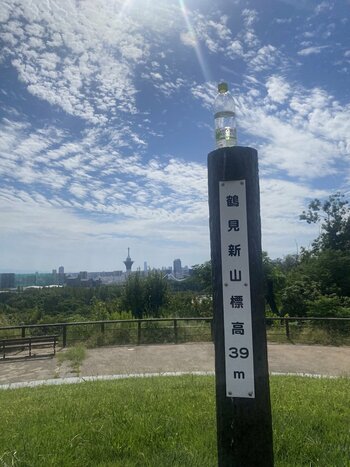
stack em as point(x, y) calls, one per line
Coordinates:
point(334, 361)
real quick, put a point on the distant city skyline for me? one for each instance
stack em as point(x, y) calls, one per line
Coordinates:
point(57, 269)
point(85, 278)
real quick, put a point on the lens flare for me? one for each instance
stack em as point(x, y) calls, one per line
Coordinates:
point(195, 42)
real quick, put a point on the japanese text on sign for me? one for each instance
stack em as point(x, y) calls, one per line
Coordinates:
point(239, 364)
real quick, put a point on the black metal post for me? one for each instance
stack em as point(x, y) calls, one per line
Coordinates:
point(175, 331)
point(64, 336)
point(287, 328)
point(244, 426)
point(138, 332)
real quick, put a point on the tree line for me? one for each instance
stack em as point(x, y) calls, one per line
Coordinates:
point(152, 296)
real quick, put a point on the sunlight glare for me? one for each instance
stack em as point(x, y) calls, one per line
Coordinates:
point(194, 41)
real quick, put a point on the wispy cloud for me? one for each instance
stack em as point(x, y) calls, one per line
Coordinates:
point(312, 50)
point(324, 7)
point(94, 51)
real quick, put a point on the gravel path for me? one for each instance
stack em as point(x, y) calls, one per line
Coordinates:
point(196, 357)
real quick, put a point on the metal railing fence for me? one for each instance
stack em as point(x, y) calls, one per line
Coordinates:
point(177, 330)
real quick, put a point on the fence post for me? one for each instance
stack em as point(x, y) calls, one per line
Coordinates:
point(138, 332)
point(287, 328)
point(175, 331)
point(102, 328)
point(23, 332)
point(64, 336)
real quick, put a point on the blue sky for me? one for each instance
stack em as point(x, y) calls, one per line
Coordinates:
point(106, 123)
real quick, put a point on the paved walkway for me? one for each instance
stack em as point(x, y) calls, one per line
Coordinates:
point(196, 357)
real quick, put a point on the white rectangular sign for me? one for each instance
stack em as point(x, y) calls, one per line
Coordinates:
point(236, 290)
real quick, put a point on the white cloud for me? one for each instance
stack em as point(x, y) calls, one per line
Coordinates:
point(78, 190)
point(156, 76)
point(214, 34)
point(86, 177)
point(235, 49)
point(89, 69)
point(249, 17)
point(303, 138)
point(205, 93)
point(266, 57)
point(323, 6)
point(277, 88)
point(65, 229)
point(96, 190)
point(299, 143)
point(168, 87)
point(283, 20)
point(312, 50)
point(188, 38)
point(5, 12)
point(281, 203)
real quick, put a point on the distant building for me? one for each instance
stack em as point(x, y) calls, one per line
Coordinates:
point(7, 280)
point(61, 275)
point(79, 282)
point(177, 268)
point(25, 280)
point(113, 277)
point(83, 274)
point(128, 263)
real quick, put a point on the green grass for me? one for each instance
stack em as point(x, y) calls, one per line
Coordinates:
point(311, 419)
point(165, 421)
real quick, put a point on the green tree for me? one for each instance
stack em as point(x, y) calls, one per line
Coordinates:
point(333, 215)
point(155, 292)
point(99, 310)
point(327, 305)
point(133, 296)
point(188, 304)
point(331, 269)
point(273, 279)
point(297, 296)
point(202, 275)
point(328, 262)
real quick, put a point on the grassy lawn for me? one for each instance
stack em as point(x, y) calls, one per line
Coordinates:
point(166, 421)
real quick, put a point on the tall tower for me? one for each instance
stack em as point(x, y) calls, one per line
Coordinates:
point(128, 263)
